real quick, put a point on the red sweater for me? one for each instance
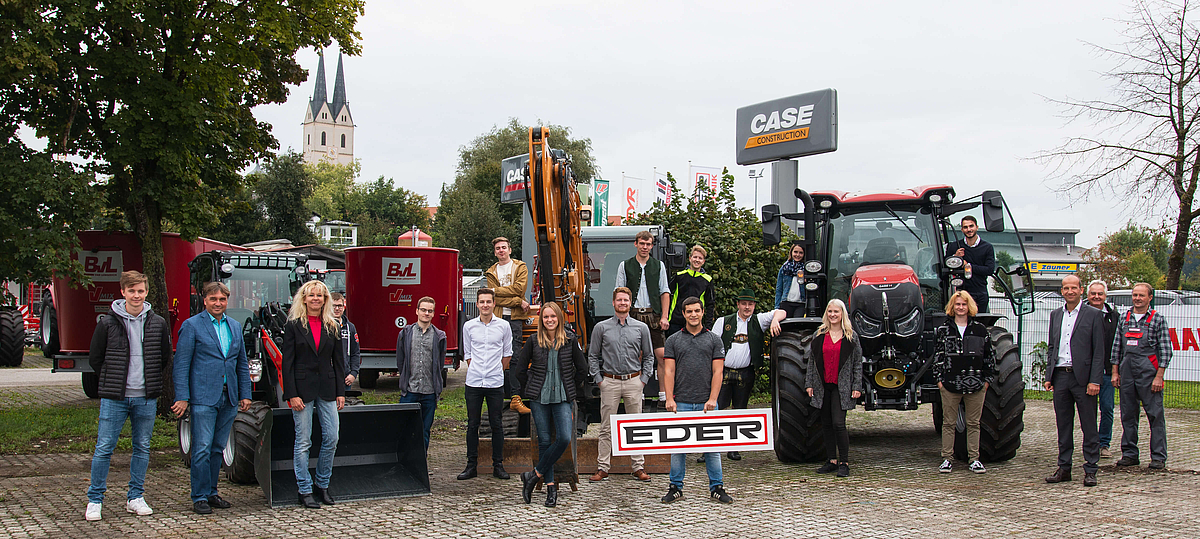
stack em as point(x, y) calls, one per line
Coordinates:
point(832, 351)
point(314, 325)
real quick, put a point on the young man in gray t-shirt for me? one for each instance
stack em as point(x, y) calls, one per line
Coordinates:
point(693, 360)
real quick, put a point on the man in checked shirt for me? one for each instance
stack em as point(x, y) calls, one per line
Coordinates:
point(1140, 354)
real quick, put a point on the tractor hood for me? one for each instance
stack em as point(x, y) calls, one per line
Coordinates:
point(886, 301)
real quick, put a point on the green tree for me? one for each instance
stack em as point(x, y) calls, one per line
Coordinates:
point(388, 212)
point(468, 220)
point(1140, 268)
point(282, 188)
point(160, 95)
point(333, 192)
point(1113, 258)
point(45, 203)
point(244, 219)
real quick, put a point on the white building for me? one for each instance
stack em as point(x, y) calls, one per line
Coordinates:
point(328, 125)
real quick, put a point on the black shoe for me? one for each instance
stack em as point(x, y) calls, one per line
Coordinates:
point(322, 495)
point(308, 501)
point(1089, 479)
point(843, 469)
point(201, 508)
point(551, 495)
point(828, 467)
point(528, 483)
point(1157, 464)
point(215, 501)
point(1060, 475)
point(468, 473)
point(673, 493)
point(734, 455)
point(1128, 461)
point(498, 471)
point(718, 493)
point(700, 459)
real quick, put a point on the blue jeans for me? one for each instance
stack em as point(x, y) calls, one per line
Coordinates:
point(1106, 409)
point(210, 433)
point(546, 418)
point(712, 461)
point(428, 402)
point(327, 414)
point(140, 412)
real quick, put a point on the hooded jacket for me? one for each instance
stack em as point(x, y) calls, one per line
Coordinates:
point(130, 352)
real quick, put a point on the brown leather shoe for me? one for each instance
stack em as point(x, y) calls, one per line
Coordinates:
point(1060, 475)
point(1089, 479)
point(641, 475)
point(518, 405)
point(600, 475)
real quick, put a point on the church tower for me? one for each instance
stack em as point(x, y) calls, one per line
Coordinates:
point(328, 126)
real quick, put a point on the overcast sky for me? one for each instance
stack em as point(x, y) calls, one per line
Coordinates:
point(928, 92)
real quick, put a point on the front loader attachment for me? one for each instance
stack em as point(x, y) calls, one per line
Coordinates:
point(380, 454)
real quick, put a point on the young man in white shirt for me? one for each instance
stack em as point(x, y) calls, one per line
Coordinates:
point(487, 347)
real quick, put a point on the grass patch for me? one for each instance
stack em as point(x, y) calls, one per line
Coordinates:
point(1176, 394)
point(45, 429)
point(451, 405)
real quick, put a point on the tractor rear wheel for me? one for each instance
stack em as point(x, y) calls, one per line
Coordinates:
point(12, 337)
point(49, 330)
point(798, 434)
point(243, 439)
point(1003, 417)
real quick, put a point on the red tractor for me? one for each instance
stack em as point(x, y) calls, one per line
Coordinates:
point(884, 255)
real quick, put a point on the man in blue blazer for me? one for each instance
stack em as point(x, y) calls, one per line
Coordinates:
point(212, 376)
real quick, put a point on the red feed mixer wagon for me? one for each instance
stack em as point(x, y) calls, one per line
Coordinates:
point(383, 285)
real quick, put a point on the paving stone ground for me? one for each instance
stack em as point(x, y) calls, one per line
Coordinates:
point(894, 491)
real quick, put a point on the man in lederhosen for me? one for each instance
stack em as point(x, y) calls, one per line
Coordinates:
point(646, 277)
point(744, 342)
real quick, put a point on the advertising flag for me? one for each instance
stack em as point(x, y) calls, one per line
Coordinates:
point(710, 177)
point(600, 203)
point(631, 198)
point(662, 188)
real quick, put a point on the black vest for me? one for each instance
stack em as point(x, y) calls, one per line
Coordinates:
point(115, 367)
point(754, 332)
point(633, 279)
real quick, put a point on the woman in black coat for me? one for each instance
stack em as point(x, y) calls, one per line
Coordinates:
point(834, 381)
point(313, 379)
point(551, 370)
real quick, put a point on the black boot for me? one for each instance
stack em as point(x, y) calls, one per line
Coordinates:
point(529, 482)
point(498, 471)
point(551, 495)
point(322, 495)
point(469, 472)
point(308, 501)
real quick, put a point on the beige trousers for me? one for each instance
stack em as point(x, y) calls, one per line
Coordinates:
point(974, 407)
point(611, 393)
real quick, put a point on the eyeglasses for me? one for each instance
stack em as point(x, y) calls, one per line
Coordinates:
point(336, 306)
point(425, 310)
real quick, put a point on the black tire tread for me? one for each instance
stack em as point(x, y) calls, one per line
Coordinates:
point(798, 433)
point(91, 385)
point(12, 337)
point(1003, 418)
point(247, 427)
point(48, 316)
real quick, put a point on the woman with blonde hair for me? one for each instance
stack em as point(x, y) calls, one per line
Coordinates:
point(313, 375)
point(964, 365)
point(550, 370)
point(834, 382)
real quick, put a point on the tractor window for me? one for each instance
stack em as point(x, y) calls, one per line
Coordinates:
point(250, 289)
point(602, 261)
point(878, 237)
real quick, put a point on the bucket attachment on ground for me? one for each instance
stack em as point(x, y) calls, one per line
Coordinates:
point(380, 454)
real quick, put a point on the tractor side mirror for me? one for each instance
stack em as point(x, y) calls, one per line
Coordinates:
point(772, 228)
point(993, 211)
point(675, 254)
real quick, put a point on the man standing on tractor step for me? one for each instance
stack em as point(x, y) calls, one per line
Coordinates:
point(420, 348)
point(1073, 370)
point(487, 347)
point(1140, 355)
point(1097, 297)
point(130, 348)
point(349, 339)
point(210, 349)
point(620, 362)
point(692, 378)
point(647, 277)
point(744, 342)
point(980, 260)
point(509, 278)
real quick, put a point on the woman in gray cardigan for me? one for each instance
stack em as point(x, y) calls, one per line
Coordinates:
point(834, 381)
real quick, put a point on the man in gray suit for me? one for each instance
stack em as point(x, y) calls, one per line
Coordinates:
point(1075, 363)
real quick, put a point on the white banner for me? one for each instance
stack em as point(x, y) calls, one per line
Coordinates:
point(693, 432)
point(708, 176)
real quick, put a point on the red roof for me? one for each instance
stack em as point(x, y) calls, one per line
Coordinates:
point(916, 193)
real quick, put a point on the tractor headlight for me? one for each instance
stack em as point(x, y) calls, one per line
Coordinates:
point(956, 282)
point(813, 266)
point(811, 287)
point(910, 324)
point(866, 327)
point(255, 365)
point(954, 262)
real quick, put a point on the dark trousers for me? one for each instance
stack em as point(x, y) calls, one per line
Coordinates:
point(475, 397)
point(794, 309)
point(1107, 403)
point(981, 300)
point(833, 422)
point(1070, 396)
point(1135, 394)
point(511, 385)
point(428, 402)
point(736, 388)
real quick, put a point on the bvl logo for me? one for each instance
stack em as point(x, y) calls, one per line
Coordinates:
point(693, 432)
point(102, 266)
point(401, 271)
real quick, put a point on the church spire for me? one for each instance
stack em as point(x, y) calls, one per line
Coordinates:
point(318, 98)
point(339, 88)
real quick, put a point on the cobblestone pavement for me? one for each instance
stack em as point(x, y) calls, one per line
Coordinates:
point(894, 491)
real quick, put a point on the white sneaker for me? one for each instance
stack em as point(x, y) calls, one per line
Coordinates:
point(977, 467)
point(138, 505)
point(93, 511)
point(946, 466)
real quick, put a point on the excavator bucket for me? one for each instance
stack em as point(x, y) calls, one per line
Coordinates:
point(380, 454)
